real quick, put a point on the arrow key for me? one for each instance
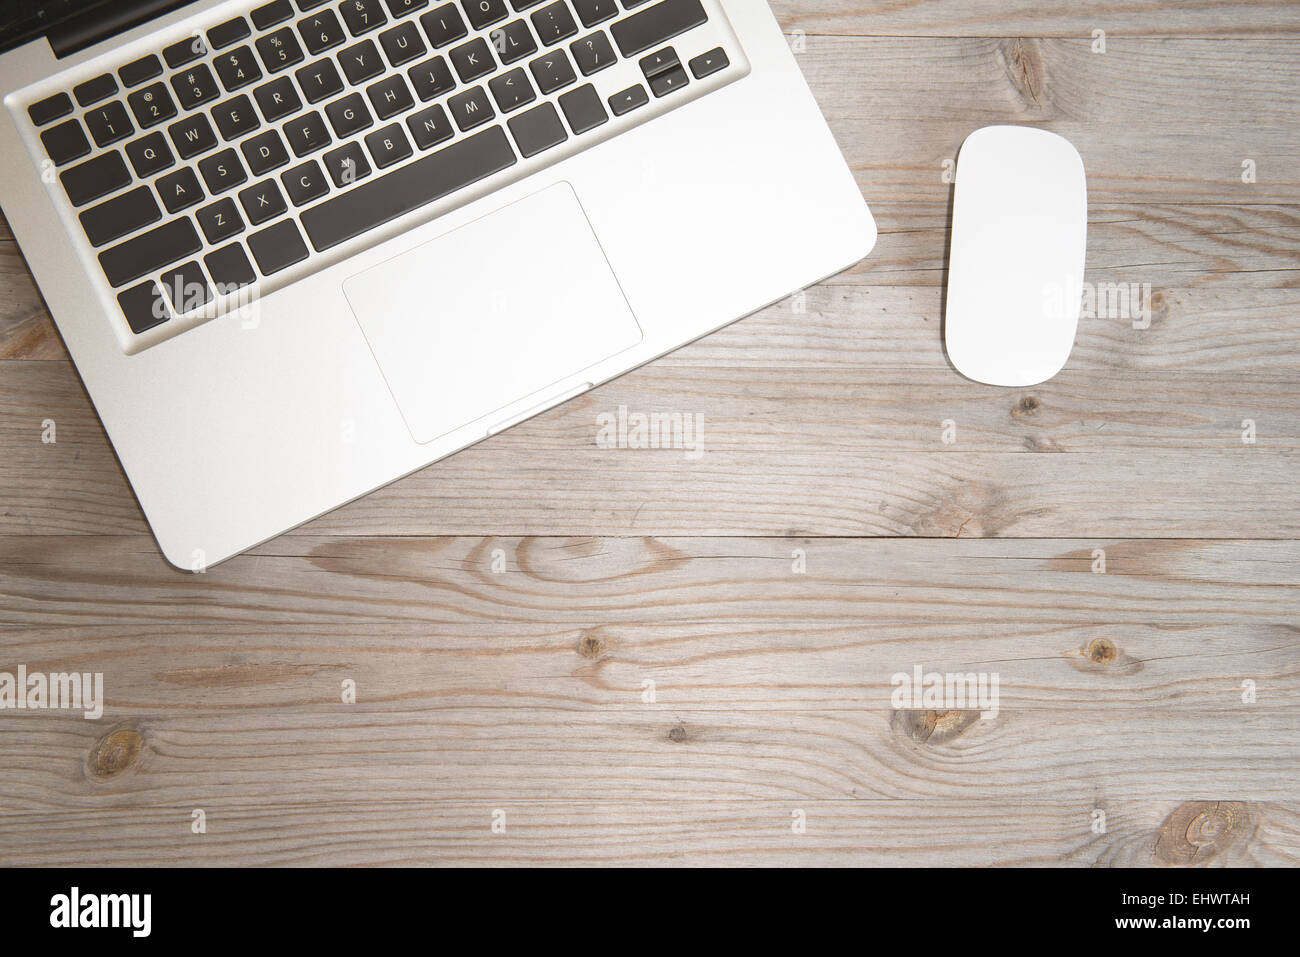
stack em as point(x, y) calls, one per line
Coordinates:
point(707, 64)
point(666, 83)
point(632, 98)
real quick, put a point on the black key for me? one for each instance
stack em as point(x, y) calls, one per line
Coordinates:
point(186, 287)
point(349, 115)
point(138, 71)
point(321, 32)
point(65, 142)
point(362, 15)
point(390, 96)
point(707, 64)
point(109, 123)
point(149, 155)
point(305, 5)
point(150, 252)
point(151, 105)
point(50, 109)
point(220, 221)
point(347, 164)
point(92, 91)
point(270, 14)
point(319, 80)
point(471, 108)
point(304, 183)
point(195, 86)
point(306, 134)
point(554, 23)
point(232, 31)
point(484, 12)
point(262, 202)
point(430, 127)
point(236, 117)
point(553, 71)
point(120, 215)
point(592, 12)
point(656, 25)
point(179, 54)
point(238, 68)
point(512, 90)
point(265, 152)
point(400, 8)
point(538, 130)
point(514, 41)
point(665, 83)
point(444, 25)
point(277, 99)
point(431, 79)
point(659, 62)
point(388, 145)
point(180, 190)
point(143, 306)
point(472, 60)
point(403, 43)
point(279, 50)
point(361, 62)
point(229, 268)
point(192, 135)
point(633, 98)
point(407, 188)
point(593, 53)
point(222, 171)
point(94, 178)
point(278, 247)
point(583, 109)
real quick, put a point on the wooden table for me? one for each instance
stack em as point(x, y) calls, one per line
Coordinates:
point(502, 614)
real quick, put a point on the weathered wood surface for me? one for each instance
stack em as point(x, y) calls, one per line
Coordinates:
point(523, 689)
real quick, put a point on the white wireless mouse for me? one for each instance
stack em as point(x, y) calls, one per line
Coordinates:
point(1015, 271)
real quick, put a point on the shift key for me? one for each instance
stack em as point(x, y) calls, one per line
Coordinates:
point(150, 252)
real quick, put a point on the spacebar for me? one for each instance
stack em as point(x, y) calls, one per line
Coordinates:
point(394, 194)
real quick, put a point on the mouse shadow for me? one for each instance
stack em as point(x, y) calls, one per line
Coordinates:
point(943, 280)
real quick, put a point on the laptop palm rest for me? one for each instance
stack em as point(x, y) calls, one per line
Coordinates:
point(470, 324)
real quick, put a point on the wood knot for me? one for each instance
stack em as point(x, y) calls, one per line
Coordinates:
point(1102, 651)
point(1102, 655)
point(1158, 301)
point(1200, 831)
point(591, 646)
point(1028, 405)
point(932, 726)
point(677, 734)
point(115, 752)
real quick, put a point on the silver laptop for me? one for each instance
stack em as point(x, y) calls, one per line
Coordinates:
point(300, 249)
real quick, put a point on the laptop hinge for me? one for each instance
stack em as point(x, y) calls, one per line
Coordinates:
point(104, 21)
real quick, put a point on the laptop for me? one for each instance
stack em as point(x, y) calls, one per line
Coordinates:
point(300, 249)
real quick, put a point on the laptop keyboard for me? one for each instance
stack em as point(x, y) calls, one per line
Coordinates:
point(202, 170)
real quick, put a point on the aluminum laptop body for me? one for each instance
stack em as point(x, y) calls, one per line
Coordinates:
point(522, 259)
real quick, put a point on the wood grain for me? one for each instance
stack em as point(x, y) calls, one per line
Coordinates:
point(502, 612)
point(1040, 18)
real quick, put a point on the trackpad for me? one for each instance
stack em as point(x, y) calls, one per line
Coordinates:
point(500, 310)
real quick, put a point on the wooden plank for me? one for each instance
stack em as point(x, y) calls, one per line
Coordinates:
point(797, 450)
point(1157, 121)
point(1040, 18)
point(1175, 250)
point(329, 752)
point(656, 832)
point(714, 623)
